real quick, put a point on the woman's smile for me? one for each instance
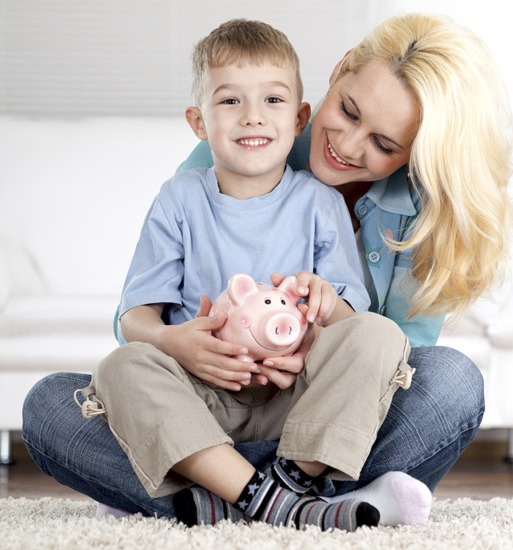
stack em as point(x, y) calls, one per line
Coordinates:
point(331, 155)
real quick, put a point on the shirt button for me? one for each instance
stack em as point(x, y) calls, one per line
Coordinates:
point(362, 210)
point(374, 257)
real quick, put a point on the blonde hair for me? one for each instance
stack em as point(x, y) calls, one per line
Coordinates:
point(461, 155)
point(240, 40)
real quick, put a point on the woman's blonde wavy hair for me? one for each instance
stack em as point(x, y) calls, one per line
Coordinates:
point(461, 155)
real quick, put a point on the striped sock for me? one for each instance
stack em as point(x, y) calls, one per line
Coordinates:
point(288, 474)
point(196, 505)
point(265, 500)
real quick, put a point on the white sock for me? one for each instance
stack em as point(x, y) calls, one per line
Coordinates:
point(102, 511)
point(400, 499)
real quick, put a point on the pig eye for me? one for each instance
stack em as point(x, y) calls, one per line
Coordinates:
point(283, 302)
point(267, 301)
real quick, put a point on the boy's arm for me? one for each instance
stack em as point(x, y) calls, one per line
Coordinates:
point(192, 345)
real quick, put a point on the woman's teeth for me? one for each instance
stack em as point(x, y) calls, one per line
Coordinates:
point(336, 157)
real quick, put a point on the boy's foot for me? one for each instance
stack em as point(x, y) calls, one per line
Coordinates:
point(263, 499)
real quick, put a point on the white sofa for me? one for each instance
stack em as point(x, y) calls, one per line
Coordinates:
point(73, 195)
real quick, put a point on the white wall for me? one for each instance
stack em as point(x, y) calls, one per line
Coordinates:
point(133, 56)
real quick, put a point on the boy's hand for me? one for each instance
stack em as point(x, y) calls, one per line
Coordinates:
point(283, 371)
point(322, 305)
point(209, 358)
point(192, 344)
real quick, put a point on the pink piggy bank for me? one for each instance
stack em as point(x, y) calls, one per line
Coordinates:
point(261, 317)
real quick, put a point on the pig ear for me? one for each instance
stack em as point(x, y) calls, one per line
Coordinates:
point(240, 287)
point(289, 286)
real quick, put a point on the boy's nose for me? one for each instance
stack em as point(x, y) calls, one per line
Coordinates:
point(252, 116)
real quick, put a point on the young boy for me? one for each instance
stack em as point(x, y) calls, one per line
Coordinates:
point(176, 397)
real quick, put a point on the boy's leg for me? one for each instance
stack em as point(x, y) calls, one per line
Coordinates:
point(227, 478)
point(424, 433)
point(344, 393)
point(157, 413)
point(168, 426)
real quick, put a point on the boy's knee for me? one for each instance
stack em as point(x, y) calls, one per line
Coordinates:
point(115, 367)
point(376, 330)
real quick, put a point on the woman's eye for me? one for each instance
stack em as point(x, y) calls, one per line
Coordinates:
point(381, 147)
point(346, 111)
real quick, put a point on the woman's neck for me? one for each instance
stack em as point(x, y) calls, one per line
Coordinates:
point(352, 192)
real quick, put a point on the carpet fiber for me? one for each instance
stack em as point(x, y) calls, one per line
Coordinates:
point(51, 523)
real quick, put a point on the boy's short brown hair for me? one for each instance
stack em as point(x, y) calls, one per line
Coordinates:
point(240, 40)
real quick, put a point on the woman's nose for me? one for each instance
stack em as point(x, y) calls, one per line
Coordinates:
point(349, 145)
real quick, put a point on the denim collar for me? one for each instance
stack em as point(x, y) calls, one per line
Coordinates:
point(392, 194)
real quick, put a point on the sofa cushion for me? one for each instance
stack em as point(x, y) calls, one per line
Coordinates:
point(49, 314)
point(54, 353)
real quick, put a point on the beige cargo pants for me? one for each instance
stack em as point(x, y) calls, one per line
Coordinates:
point(160, 414)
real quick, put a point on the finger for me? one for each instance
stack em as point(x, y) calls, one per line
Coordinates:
point(314, 302)
point(276, 278)
point(293, 364)
point(326, 306)
point(205, 305)
point(303, 283)
point(259, 380)
point(226, 361)
point(281, 379)
point(223, 376)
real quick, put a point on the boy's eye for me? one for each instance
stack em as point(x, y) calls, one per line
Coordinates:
point(346, 111)
point(274, 100)
point(230, 101)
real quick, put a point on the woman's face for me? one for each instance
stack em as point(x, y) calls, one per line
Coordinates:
point(365, 127)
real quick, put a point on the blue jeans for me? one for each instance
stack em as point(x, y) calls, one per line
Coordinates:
point(426, 430)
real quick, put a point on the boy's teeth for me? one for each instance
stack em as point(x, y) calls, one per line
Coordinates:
point(335, 156)
point(253, 142)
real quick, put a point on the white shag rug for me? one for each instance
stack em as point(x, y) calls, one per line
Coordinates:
point(51, 523)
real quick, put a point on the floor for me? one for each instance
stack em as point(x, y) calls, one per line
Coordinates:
point(481, 473)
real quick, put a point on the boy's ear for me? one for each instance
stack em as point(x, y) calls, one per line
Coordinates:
point(303, 116)
point(195, 120)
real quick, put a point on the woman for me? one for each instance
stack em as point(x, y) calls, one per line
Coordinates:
point(413, 133)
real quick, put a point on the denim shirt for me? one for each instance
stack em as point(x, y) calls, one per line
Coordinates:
point(389, 207)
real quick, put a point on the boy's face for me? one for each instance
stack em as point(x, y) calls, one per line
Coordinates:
point(250, 115)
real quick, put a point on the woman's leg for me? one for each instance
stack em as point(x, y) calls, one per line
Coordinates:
point(426, 430)
point(430, 425)
point(84, 454)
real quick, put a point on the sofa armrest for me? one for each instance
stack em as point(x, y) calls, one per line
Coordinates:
point(19, 274)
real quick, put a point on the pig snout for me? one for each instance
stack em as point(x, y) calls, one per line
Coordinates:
point(278, 330)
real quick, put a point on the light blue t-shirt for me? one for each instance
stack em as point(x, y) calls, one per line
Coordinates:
point(390, 207)
point(195, 238)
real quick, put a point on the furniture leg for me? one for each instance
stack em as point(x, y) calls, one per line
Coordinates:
point(5, 447)
point(509, 456)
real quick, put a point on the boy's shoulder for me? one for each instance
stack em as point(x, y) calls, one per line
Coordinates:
point(309, 182)
point(187, 182)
